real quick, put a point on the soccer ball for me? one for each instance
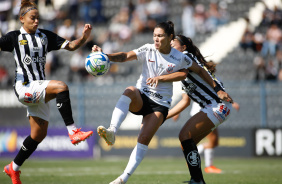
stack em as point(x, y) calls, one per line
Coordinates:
point(97, 64)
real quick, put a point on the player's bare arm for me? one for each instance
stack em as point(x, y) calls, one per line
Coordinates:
point(75, 44)
point(179, 107)
point(117, 57)
point(177, 76)
point(204, 75)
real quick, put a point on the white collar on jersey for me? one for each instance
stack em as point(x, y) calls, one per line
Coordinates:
point(23, 31)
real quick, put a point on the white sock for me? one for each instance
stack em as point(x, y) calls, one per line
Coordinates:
point(135, 159)
point(16, 167)
point(209, 157)
point(71, 128)
point(120, 112)
point(200, 148)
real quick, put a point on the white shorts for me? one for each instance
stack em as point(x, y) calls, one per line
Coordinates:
point(218, 112)
point(33, 96)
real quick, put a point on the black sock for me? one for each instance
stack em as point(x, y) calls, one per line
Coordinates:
point(193, 159)
point(29, 146)
point(64, 106)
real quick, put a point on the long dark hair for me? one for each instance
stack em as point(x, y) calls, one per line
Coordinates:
point(191, 48)
point(168, 28)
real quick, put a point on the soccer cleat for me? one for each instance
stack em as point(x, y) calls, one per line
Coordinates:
point(107, 134)
point(213, 169)
point(194, 182)
point(14, 175)
point(117, 181)
point(79, 136)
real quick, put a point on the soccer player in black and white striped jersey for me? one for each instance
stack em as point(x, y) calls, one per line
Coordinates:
point(29, 46)
point(215, 107)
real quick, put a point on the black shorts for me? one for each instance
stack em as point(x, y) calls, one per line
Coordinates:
point(149, 106)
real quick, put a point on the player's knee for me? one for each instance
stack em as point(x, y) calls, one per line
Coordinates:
point(62, 86)
point(184, 135)
point(131, 92)
point(40, 136)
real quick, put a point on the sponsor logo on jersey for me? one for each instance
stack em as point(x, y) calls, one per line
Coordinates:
point(170, 68)
point(143, 49)
point(188, 61)
point(151, 60)
point(23, 42)
point(36, 49)
point(151, 93)
point(173, 57)
point(39, 59)
point(190, 88)
point(193, 158)
point(27, 59)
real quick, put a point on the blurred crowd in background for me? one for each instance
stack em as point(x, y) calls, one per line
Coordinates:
point(266, 42)
point(137, 17)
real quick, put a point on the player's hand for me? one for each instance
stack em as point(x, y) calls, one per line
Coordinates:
point(153, 82)
point(224, 96)
point(236, 106)
point(86, 31)
point(176, 117)
point(96, 48)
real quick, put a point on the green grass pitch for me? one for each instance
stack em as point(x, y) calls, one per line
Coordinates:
point(151, 171)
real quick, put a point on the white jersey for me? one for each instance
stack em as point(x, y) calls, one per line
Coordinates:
point(198, 89)
point(155, 64)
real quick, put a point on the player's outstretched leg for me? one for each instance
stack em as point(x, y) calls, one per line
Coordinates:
point(117, 181)
point(79, 136)
point(14, 175)
point(107, 134)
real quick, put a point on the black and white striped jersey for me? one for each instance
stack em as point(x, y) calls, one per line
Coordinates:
point(30, 51)
point(197, 88)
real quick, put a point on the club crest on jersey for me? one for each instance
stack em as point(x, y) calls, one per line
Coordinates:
point(23, 42)
point(43, 40)
point(170, 68)
point(27, 59)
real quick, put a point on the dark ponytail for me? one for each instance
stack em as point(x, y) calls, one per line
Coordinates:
point(191, 48)
point(168, 28)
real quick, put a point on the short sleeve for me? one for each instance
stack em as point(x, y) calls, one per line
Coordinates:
point(55, 42)
point(187, 62)
point(6, 43)
point(141, 51)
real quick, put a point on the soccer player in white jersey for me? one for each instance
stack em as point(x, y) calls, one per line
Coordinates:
point(29, 46)
point(151, 97)
point(214, 109)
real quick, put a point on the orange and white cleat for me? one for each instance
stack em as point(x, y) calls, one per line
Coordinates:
point(79, 136)
point(14, 175)
point(107, 134)
point(213, 169)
